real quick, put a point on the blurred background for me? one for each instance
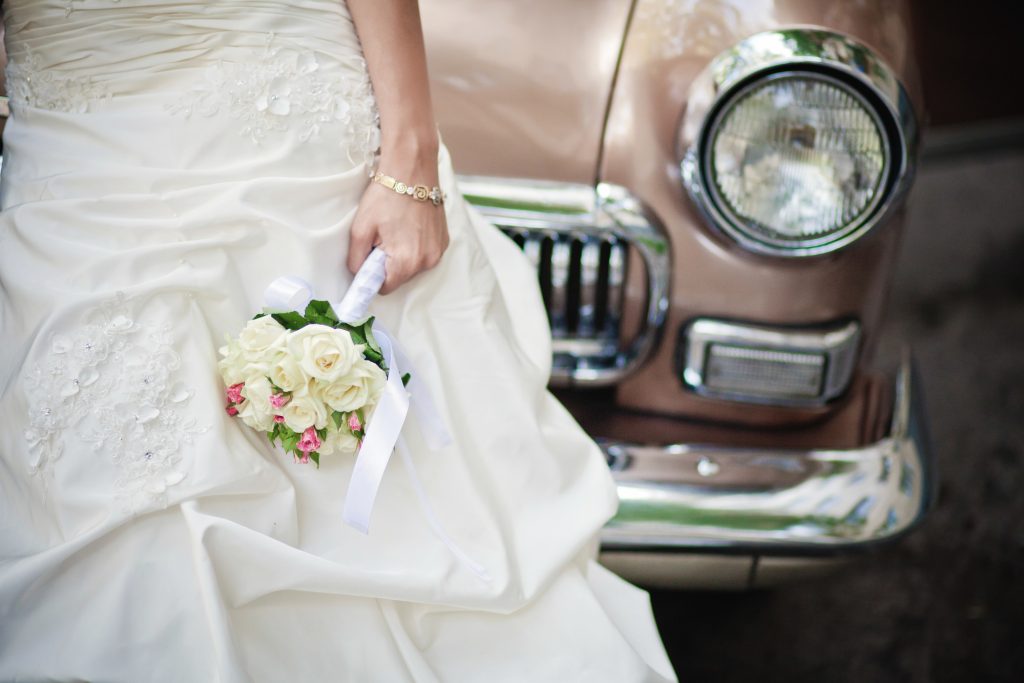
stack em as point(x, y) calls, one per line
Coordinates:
point(947, 603)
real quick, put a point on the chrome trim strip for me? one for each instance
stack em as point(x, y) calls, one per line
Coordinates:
point(838, 345)
point(789, 51)
point(559, 307)
point(594, 215)
point(694, 498)
point(590, 263)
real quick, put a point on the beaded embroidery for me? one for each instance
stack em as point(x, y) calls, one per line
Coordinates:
point(112, 384)
point(29, 84)
point(280, 88)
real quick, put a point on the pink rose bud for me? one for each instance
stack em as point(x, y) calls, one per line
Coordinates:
point(353, 422)
point(279, 419)
point(235, 392)
point(310, 441)
point(304, 459)
point(279, 400)
point(232, 411)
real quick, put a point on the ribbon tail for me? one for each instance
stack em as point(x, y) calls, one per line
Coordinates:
point(382, 434)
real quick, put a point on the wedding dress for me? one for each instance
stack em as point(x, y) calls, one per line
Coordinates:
point(164, 162)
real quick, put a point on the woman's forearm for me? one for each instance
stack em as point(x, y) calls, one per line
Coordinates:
point(392, 39)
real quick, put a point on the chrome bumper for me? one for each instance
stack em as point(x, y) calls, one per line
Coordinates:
point(687, 498)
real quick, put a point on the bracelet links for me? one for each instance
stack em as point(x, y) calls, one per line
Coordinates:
point(420, 193)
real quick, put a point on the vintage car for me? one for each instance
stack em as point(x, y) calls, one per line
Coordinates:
point(711, 191)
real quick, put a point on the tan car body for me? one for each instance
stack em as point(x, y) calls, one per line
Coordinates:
point(595, 92)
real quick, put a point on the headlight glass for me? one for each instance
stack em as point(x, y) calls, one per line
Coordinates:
point(797, 160)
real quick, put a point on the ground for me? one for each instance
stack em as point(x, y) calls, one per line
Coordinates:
point(947, 603)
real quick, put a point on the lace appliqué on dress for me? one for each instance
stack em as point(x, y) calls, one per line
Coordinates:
point(112, 384)
point(29, 84)
point(281, 88)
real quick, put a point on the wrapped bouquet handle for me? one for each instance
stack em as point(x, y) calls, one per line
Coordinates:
point(366, 284)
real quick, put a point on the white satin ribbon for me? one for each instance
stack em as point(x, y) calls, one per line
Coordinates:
point(382, 432)
point(365, 285)
point(287, 293)
point(384, 428)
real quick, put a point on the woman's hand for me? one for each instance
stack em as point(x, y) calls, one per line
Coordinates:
point(413, 234)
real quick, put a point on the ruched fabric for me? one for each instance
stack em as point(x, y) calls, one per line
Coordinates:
point(165, 161)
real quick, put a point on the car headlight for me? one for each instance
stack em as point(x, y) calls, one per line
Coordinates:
point(795, 152)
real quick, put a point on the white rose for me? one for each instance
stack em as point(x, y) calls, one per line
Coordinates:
point(324, 352)
point(357, 388)
point(339, 442)
point(304, 410)
point(256, 410)
point(260, 336)
point(285, 372)
point(232, 365)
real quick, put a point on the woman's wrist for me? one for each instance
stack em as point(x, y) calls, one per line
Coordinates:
point(411, 150)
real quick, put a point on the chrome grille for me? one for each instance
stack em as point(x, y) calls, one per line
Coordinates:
point(581, 279)
point(579, 239)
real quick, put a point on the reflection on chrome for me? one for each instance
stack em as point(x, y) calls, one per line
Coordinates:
point(578, 237)
point(767, 361)
point(699, 497)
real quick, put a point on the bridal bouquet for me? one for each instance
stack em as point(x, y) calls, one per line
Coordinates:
point(309, 380)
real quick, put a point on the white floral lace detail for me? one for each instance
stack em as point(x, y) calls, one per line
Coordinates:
point(112, 384)
point(282, 87)
point(29, 84)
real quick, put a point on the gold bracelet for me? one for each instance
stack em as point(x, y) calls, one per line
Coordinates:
point(420, 193)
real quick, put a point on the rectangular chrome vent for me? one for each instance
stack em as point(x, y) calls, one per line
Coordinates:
point(760, 364)
point(775, 374)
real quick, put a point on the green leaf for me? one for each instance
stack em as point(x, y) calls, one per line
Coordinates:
point(274, 434)
point(339, 418)
point(371, 341)
point(290, 320)
point(316, 307)
point(322, 310)
point(320, 320)
point(289, 440)
point(315, 457)
point(260, 315)
point(355, 332)
point(405, 379)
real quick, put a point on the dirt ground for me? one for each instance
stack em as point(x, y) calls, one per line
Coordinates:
point(947, 603)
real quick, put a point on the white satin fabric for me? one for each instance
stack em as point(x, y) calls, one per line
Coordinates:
point(165, 161)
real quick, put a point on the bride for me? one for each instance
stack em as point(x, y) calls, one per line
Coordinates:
point(164, 161)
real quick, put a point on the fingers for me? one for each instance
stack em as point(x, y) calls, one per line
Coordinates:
point(361, 240)
point(416, 250)
point(404, 262)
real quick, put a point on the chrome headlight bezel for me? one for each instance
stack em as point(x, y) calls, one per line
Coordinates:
point(797, 53)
